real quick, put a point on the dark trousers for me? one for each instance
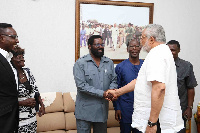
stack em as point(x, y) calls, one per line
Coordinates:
point(158, 127)
point(135, 130)
point(85, 126)
point(125, 127)
point(9, 122)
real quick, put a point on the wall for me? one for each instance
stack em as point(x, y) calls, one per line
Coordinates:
point(46, 30)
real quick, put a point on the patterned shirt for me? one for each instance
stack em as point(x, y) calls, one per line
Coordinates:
point(27, 115)
point(185, 80)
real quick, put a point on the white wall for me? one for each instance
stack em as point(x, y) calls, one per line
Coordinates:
point(46, 30)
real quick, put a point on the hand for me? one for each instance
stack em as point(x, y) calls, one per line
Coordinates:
point(118, 115)
point(151, 129)
point(114, 94)
point(41, 111)
point(30, 102)
point(188, 113)
point(107, 96)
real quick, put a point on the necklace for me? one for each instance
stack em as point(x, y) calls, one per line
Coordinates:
point(23, 76)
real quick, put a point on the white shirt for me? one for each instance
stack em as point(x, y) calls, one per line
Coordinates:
point(97, 31)
point(115, 31)
point(8, 57)
point(158, 66)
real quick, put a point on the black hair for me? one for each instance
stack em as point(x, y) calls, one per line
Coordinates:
point(4, 26)
point(174, 42)
point(91, 39)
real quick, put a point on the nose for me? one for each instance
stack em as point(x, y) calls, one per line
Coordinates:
point(17, 40)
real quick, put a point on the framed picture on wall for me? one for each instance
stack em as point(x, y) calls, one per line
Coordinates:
point(116, 21)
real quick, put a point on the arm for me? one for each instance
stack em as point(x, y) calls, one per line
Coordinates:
point(42, 107)
point(157, 99)
point(127, 88)
point(188, 111)
point(35, 89)
point(30, 102)
point(116, 103)
point(191, 83)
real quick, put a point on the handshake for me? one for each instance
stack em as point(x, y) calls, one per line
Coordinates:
point(111, 94)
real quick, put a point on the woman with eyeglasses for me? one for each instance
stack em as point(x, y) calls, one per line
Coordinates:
point(27, 94)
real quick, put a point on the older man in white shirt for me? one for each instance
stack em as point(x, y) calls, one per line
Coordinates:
point(155, 89)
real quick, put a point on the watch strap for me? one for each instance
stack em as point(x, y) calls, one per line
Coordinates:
point(151, 124)
point(190, 107)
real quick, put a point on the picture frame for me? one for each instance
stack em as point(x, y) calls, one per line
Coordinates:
point(113, 20)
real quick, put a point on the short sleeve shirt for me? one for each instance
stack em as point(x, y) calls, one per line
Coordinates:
point(185, 80)
point(158, 66)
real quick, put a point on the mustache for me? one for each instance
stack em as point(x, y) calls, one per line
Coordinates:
point(100, 49)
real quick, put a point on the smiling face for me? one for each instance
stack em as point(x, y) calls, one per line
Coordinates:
point(133, 49)
point(8, 39)
point(18, 61)
point(97, 51)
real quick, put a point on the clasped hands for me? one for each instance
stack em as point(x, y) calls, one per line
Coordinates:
point(111, 94)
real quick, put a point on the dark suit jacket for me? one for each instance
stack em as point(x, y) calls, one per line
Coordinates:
point(9, 113)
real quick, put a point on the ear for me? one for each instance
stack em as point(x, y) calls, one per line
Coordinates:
point(152, 40)
point(1, 39)
point(179, 50)
point(89, 46)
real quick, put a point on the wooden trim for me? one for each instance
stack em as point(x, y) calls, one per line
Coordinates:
point(105, 2)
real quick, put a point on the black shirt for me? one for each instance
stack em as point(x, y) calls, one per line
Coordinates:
point(185, 80)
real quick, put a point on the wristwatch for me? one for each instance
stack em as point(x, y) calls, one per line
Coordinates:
point(151, 124)
point(190, 107)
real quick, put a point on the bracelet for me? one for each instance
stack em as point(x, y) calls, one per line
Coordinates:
point(190, 107)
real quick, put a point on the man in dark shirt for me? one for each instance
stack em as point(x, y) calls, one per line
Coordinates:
point(186, 82)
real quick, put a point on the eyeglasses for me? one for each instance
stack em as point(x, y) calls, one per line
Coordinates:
point(98, 45)
point(12, 36)
point(134, 47)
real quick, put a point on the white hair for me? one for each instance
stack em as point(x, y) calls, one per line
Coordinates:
point(155, 31)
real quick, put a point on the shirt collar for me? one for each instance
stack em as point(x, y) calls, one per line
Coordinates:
point(103, 59)
point(177, 62)
point(7, 55)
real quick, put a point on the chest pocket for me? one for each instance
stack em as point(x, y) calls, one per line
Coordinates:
point(108, 74)
point(89, 75)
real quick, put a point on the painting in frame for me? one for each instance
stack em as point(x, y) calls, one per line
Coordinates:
point(116, 21)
